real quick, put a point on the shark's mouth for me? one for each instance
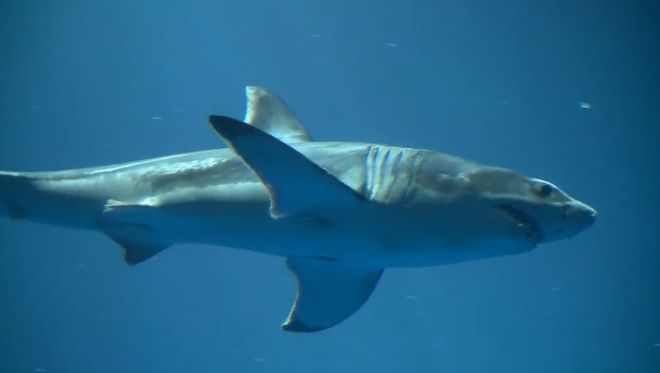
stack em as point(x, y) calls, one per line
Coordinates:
point(526, 222)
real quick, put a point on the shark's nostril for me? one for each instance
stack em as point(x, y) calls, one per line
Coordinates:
point(586, 214)
point(587, 211)
point(579, 210)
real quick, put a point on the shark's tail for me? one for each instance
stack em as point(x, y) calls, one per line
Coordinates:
point(14, 188)
point(46, 197)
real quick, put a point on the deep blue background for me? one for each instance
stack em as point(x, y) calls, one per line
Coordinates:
point(499, 82)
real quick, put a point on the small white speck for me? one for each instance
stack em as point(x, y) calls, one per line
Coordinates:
point(156, 118)
point(555, 289)
point(411, 297)
point(40, 370)
point(585, 105)
point(314, 35)
point(259, 359)
point(391, 45)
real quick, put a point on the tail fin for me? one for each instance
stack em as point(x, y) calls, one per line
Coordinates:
point(14, 186)
point(56, 198)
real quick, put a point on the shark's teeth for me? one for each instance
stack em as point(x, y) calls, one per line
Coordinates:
point(525, 221)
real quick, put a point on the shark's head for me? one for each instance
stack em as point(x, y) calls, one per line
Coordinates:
point(536, 209)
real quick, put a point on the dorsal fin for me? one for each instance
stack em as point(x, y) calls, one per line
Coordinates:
point(270, 114)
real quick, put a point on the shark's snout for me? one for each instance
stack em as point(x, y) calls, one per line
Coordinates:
point(582, 214)
point(575, 217)
point(562, 221)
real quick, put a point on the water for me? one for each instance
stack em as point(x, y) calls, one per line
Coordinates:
point(566, 91)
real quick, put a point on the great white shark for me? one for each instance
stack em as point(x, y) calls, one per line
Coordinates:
point(339, 212)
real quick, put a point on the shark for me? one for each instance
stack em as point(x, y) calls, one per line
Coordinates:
point(338, 212)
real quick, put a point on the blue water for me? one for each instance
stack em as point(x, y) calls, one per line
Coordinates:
point(568, 91)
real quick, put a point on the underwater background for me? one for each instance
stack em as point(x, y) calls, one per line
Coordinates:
point(568, 91)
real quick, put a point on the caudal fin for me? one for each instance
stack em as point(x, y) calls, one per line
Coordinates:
point(13, 188)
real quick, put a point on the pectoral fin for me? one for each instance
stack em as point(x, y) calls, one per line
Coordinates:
point(131, 227)
point(296, 185)
point(328, 293)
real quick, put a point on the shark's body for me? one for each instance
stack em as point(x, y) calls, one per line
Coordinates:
point(339, 212)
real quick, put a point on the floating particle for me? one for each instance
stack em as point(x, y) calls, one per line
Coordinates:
point(391, 45)
point(156, 118)
point(585, 105)
point(314, 35)
point(555, 289)
point(411, 297)
point(259, 359)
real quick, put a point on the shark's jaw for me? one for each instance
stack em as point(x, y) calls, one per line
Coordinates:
point(524, 221)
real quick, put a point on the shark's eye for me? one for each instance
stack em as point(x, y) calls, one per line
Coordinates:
point(544, 190)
